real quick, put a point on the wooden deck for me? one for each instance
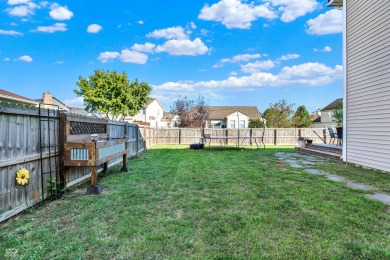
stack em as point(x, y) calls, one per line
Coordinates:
point(330, 151)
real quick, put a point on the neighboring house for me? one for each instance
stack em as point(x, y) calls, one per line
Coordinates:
point(325, 116)
point(366, 127)
point(231, 116)
point(151, 113)
point(168, 120)
point(53, 103)
point(15, 98)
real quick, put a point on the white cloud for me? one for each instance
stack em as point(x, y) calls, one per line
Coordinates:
point(290, 56)
point(257, 66)
point(176, 86)
point(60, 12)
point(57, 27)
point(22, 10)
point(25, 58)
point(140, 22)
point(108, 55)
point(327, 23)
point(235, 14)
point(307, 74)
point(59, 62)
point(147, 47)
point(94, 28)
point(192, 25)
point(169, 33)
point(306, 70)
point(17, 2)
point(127, 56)
point(292, 9)
point(75, 102)
point(133, 57)
point(236, 59)
point(10, 32)
point(183, 47)
point(6, 59)
point(233, 73)
point(325, 49)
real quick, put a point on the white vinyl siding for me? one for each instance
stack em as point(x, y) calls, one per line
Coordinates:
point(368, 83)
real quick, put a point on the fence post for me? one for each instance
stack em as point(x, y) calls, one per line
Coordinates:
point(276, 136)
point(227, 135)
point(179, 136)
point(137, 138)
point(251, 135)
point(124, 162)
point(324, 131)
point(62, 128)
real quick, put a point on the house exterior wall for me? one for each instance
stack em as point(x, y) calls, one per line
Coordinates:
point(153, 110)
point(237, 117)
point(327, 116)
point(215, 123)
point(367, 93)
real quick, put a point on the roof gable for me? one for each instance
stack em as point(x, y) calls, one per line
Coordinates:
point(151, 100)
point(332, 105)
point(15, 97)
point(221, 112)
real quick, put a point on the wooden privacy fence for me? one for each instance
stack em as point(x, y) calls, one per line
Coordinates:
point(272, 136)
point(22, 147)
point(36, 139)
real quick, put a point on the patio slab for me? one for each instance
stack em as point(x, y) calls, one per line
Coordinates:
point(359, 186)
point(314, 171)
point(335, 177)
point(384, 198)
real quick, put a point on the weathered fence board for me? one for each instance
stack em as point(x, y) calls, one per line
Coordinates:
point(20, 148)
point(271, 136)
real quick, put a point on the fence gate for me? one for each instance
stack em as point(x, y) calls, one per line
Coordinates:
point(49, 149)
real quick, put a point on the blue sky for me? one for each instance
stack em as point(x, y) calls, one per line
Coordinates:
point(232, 52)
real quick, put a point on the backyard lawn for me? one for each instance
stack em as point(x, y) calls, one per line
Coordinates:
point(181, 203)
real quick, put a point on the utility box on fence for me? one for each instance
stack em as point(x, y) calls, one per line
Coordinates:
point(87, 143)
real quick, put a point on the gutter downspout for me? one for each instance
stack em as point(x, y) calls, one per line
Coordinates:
point(344, 153)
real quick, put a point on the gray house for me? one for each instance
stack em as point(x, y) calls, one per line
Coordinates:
point(366, 124)
point(325, 117)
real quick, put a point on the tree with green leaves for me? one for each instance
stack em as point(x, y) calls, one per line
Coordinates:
point(111, 95)
point(278, 114)
point(338, 114)
point(255, 123)
point(301, 118)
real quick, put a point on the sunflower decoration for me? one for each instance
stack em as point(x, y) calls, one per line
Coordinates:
point(22, 176)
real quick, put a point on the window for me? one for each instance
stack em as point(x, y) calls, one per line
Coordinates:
point(144, 111)
point(158, 112)
point(232, 123)
point(242, 123)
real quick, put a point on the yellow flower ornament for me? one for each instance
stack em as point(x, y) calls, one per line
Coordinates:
point(22, 176)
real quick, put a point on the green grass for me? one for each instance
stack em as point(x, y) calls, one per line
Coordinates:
point(179, 203)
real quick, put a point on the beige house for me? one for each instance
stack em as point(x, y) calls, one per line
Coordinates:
point(366, 126)
point(52, 102)
point(152, 114)
point(231, 116)
point(325, 117)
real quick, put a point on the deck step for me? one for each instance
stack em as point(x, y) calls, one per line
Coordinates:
point(326, 147)
point(321, 153)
